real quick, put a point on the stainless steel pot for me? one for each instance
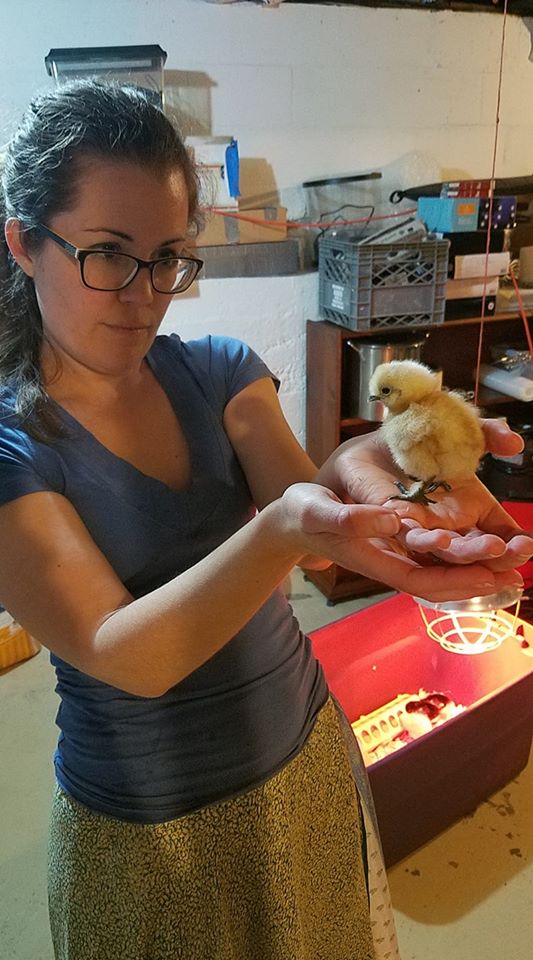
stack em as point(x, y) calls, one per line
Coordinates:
point(366, 357)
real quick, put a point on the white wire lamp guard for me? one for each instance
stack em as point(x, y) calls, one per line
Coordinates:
point(472, 626)
point(141, 65)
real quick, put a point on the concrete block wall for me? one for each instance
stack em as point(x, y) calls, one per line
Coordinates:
point(309, 91)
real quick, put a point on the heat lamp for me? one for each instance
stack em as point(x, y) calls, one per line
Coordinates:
point(472, 626)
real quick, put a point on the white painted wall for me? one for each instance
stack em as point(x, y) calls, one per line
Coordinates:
point(308, 90)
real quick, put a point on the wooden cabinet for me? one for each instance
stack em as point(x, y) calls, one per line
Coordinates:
point(451, 346)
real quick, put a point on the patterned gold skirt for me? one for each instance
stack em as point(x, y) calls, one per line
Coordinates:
point(276, 873)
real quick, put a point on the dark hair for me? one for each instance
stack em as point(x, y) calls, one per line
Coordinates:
point(41, 169)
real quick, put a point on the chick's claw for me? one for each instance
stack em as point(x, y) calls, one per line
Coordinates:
point(434, 484)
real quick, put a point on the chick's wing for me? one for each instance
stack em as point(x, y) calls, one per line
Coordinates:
point(457, 431)
point(440, 437)
point(410, 438)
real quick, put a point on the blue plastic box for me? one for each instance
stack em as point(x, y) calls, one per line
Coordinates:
point(449, 214)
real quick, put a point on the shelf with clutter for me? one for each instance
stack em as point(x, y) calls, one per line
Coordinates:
point(335, 370)
point(237, 238)
point(407, 293)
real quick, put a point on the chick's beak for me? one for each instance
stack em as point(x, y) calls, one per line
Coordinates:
point(373, 397)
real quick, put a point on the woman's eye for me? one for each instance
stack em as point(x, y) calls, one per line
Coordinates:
point(108, 255)
point(169, 263)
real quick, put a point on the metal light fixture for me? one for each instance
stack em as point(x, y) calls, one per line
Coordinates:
point(472, 626)
point(141, 65)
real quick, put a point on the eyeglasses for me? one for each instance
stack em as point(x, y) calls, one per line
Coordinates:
point(108, 270)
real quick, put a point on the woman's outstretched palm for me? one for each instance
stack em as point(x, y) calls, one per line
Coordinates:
point(479, 529)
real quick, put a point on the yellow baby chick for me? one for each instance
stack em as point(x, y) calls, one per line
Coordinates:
point(434, 435)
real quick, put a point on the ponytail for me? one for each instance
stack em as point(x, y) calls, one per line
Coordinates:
point(21, 336)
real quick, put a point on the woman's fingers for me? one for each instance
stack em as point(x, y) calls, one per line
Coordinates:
point(324, 514)
point(451, 546)
point(369, 521)
point(369, 540)
point(420, 540)
point(327, 528)
point(517, 552)
point(425, 516)
point(500, 439)
point(472, 547)
point(436, 582)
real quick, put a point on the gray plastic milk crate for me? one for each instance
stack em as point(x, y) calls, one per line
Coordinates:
point(382, 285)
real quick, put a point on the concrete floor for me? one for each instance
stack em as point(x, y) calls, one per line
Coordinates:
point(467, 894)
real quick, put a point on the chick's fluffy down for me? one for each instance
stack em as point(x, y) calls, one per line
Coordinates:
point(440, 436)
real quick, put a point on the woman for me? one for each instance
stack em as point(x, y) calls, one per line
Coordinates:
point(205, 804)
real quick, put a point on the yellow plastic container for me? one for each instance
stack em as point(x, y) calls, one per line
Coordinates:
point(15, 643)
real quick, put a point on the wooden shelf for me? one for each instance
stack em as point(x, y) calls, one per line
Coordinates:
point(352, 422)
point(491, 318)
point(491, 398)
point(336, 583)
point(456, 322)
point(364, 425)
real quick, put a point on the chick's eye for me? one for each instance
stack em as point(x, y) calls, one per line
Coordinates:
point(385, 391)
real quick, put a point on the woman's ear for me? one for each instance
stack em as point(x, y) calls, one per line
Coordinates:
point(15, 240)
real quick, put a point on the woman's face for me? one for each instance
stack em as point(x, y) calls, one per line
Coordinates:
point(124, 207)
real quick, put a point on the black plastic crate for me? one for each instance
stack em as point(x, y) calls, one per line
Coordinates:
point(382, 285)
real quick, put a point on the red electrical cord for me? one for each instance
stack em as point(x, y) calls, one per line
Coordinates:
point(294, 224)
point(491, 204)
point(523, 315)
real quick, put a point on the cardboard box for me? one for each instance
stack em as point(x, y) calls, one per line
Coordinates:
point(476, 264)
point(371, 657)
point(250, 226)
point(470, 287)
point(15, 644)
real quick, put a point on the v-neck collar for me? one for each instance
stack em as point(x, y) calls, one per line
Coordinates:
point(201, 432)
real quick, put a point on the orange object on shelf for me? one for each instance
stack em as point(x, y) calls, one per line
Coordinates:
point(16, 644)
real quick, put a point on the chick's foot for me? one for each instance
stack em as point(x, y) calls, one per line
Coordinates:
point(416, 493)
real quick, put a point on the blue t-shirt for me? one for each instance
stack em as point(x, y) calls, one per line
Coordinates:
point(244, 713)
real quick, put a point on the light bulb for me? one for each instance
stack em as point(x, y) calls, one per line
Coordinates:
point(474, 625)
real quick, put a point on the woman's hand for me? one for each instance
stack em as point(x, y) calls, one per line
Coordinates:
point(480, 530)
point(375, 542)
